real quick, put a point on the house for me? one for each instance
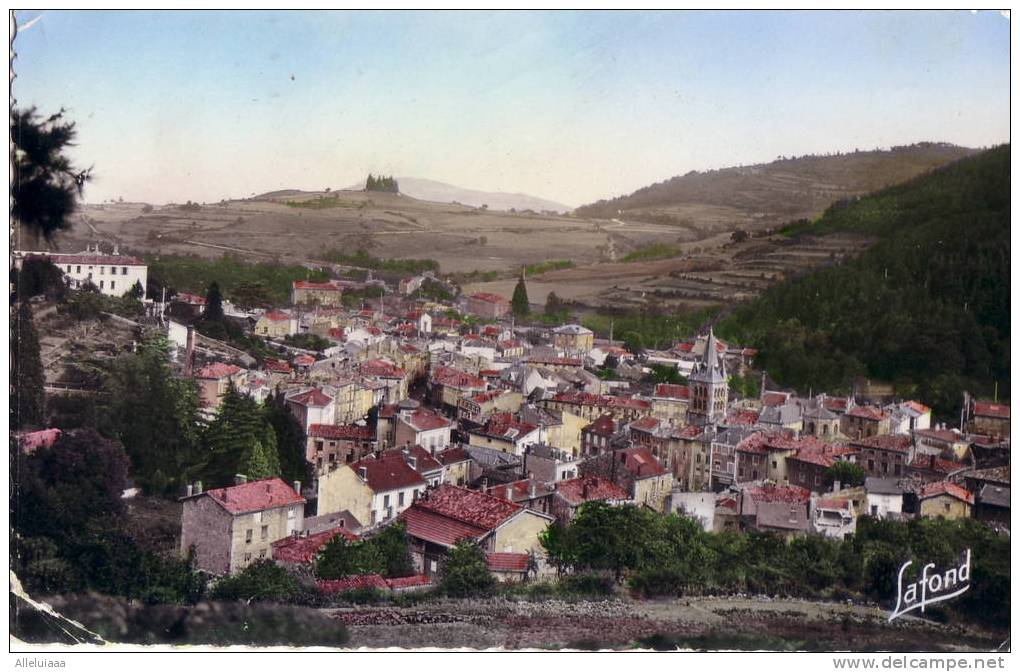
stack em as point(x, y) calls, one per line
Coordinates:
point(458, 467)
point(422, 427)
point(310, 407)
point(782, 509)
point(929, 467)
point(884, 497)
point(637, 472)
point(530, 493)
point(819, 421)
point(483, 404)
point(489, 306)
point(386, 372)
point(670, 402)
point(833, 517)
point(598, 436)
point(320, 293)
point(446, 515)
point(504, 431)
point(187, 306)
point(809, 466)
point(908, 416)
point(943, 499)
point(29, 442)
point(562, 429)
point(989, 418)
point(949, 443)
point(764, 455)
point(511, 567)
point(884, 455)
point(788, 415)
point(276, 324)
point(548, 464)
point(699, 506)
point(214, 380)
point(373, 489)
point(112, 274)
point(992, 504)
point(229, 528)
point(591, 406)
point(573, 338)
point(570, 495)
point(329, 445)
point(481, 350)
point(863, 421)
point(448, 385)
point(723, 449)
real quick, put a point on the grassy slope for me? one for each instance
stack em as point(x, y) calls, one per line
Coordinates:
point(927, 307)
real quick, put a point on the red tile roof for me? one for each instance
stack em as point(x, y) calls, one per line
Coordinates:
point(453, 455)
point(917, 406)
point(991, 410)
point(835, 404)
point(742, 418)
point(356, 582)
point(380, 368)
point(867, 413)
point(604, 425)
point(304, 360)
point(278, 366)
point(589, 489)
point(670, 391)
point(940, 488)
point(270, 493)
point(276, 316)
point(774, 398)
point(217, 371)
point(832, 503)
point(408, 581)
point(488, 298)
point(605, 401)
point(520, 491)
point(778, 493)
point(438, 529)
point(313, 397)
point(892, 442)
point(356, 432)
point(424, 420)
point(937, 464)
point(302, 550)
point(468, 506)
point(507, 562)
point(505, 426)
point(645, 424)
point(44, 438)
point(388, 472)
point(193, 299)
point(761, 442)
point(450, 377)
point(640, 462)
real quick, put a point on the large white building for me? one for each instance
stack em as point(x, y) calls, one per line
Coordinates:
point(112, 274)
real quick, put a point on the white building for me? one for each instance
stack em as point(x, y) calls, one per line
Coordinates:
point(885, 497)
point(112, 274)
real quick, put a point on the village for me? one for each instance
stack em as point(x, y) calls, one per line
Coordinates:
point(461, 422)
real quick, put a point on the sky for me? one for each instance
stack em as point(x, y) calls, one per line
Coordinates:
point(571, 106)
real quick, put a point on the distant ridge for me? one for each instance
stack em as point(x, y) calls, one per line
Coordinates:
point(440, 192)
point(780, 191)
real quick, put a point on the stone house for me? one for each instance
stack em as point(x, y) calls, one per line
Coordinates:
point(214, 380)
point(884, 455)
point(670, 402)
point(570, 495)
point(860, 422)
point(229, 528)
point(943, 499)
point(330, 445)
point(422, 427)
point(989, 418)
point(637, 472)
point(489, 306)
point(320, 293)
point(573, 339)
point(276, 324)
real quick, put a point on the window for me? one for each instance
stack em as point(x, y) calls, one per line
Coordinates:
point(265, 532)
point(318, 445)
point(248, 535)
point(113, 285)
point(102, 270)
point(386, 500)
point(68, 269)
point(874, 510)
point(262, 553)
point(946, 506)
point(247, 557)
point(79, 270)
point(123, 271)
point(871, 465)
point(101, 283)
point(775, 465)
point(415, 493)
point(400, 499)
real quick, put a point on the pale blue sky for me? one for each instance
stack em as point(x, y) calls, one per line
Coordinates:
point(571, 106)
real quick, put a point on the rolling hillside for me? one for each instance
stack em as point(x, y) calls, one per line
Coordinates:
point(926, 307)
point(766, 195)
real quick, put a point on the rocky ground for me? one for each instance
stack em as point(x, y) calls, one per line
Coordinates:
point(695, 623)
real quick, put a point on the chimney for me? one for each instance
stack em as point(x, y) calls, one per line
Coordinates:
point(116, 248)
point(531, 489)
point(189, 353)
point(363, 473)
point(585, 489)
point(297, 487)
point(240, 479)
point(191, 490)
point(198, 487)
point(836, 486)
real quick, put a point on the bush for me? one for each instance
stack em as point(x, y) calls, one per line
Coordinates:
point(585, 585)
point(465, 573)
point(263, 580)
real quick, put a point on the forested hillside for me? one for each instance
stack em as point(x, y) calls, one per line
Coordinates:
point(927, 307)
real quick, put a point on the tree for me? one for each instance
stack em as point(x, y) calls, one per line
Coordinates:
point(27, 402)
point(553, 304)
point(464, 572)
point(213, 304)
point(395, 548)
point(263, 580)
point(290, 440)
point(519, 303)
point(848, 474)
point(46, 186)
point(739, 236)
point(136, 292)
point(39, 276)
point(250, 295)
point(387, 553)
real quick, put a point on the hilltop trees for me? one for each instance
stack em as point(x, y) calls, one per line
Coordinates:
point(238, 440)
point(46, 186)
point(381, 184)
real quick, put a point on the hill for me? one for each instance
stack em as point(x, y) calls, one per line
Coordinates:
point(926, 307)
point(440, 192)
point(765, 195)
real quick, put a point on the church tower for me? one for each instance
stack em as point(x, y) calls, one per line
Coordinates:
point(709, 388)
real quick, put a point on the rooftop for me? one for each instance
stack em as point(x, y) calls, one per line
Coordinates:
point(270, 493)
point(577, 491)
point(940, 488)
point(341, 432)
point(302, 550)
point(217, 371)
